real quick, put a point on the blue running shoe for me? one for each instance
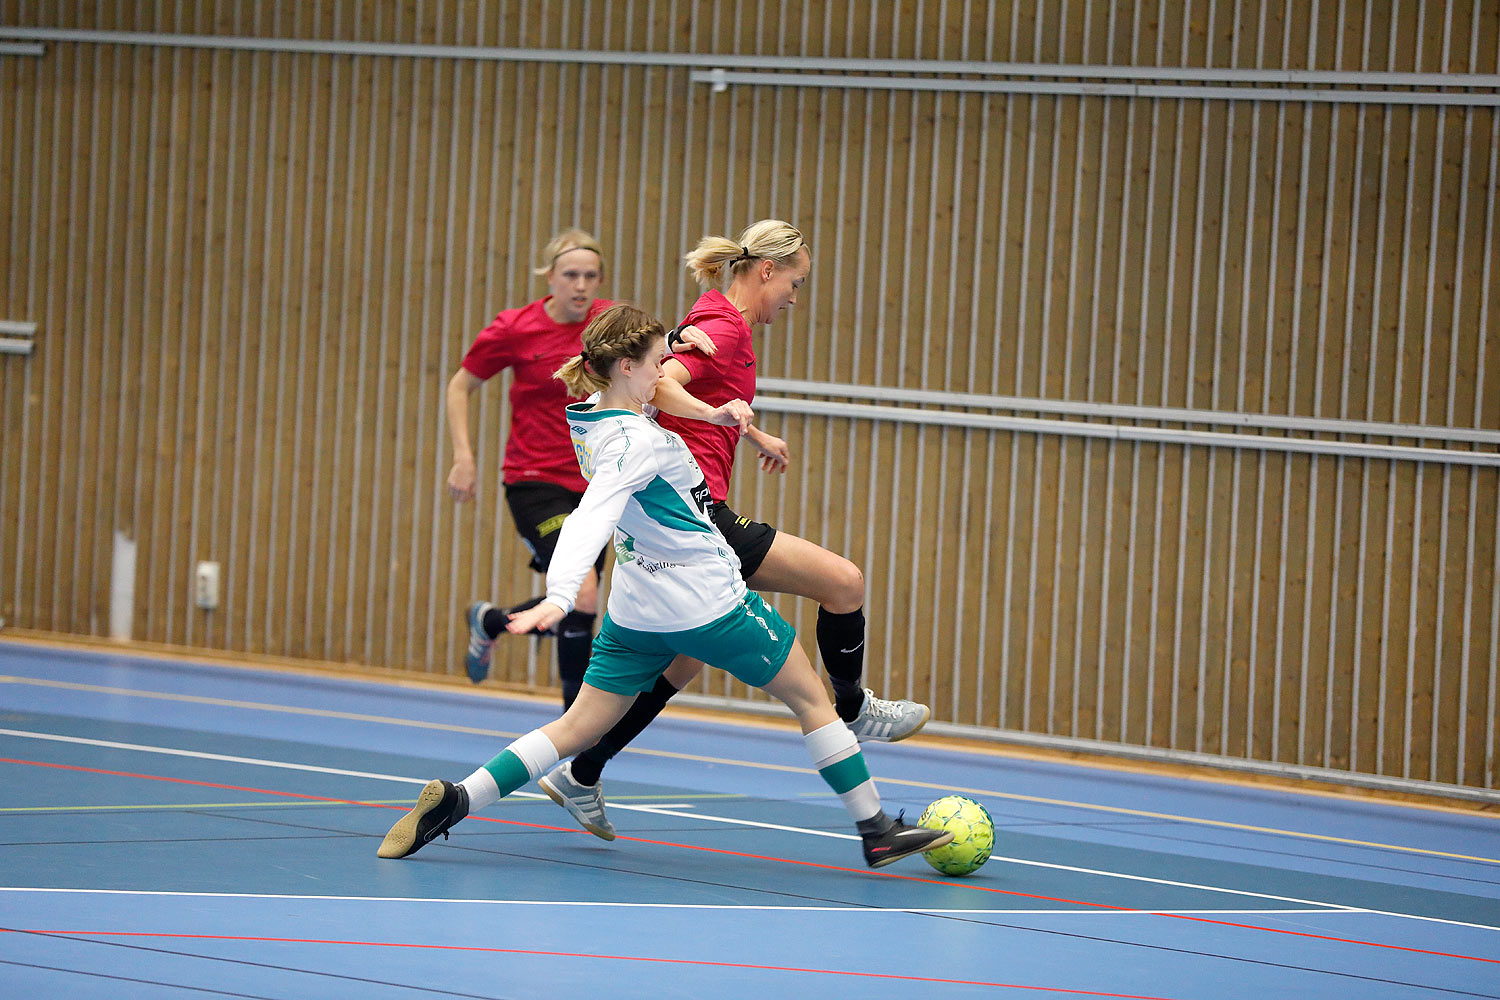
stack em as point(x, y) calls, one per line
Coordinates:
point(477, 659)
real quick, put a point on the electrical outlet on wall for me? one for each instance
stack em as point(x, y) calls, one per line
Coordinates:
point(206, 585)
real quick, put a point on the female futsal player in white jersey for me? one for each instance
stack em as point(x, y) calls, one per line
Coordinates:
point(676, 589)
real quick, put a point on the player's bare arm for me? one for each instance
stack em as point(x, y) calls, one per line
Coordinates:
point(461, 477)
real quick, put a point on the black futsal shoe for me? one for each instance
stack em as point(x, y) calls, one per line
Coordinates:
point(440, 805)
point(900, 841)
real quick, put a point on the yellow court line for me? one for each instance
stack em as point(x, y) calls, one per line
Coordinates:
point(200, 805)
point(700, 758)
point(193, 699)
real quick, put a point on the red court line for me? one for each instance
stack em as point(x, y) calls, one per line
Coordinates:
point(787, 861)
point(573, 954)
point(269, 791)
point(1063, 899)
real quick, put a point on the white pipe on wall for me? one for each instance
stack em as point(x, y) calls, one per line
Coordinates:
point(122, 587)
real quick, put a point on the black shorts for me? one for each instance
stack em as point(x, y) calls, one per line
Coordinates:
point(751, 540)
point(538, 510)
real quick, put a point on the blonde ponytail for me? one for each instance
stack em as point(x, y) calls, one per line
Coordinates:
point(581, 382)
point(769, 239)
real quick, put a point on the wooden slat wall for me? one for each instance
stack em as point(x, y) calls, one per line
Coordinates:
point(254, 272)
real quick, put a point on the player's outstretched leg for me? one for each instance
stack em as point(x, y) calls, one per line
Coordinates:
point(836, 754)
point(834, 749)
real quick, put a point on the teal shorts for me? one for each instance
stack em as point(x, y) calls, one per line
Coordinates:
point(751, 642)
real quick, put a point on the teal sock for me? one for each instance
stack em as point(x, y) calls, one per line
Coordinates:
point(508, 771)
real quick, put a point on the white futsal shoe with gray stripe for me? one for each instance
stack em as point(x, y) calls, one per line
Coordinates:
point(585, 802)
point(881, 721)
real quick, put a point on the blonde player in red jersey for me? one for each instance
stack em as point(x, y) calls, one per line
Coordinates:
point(539, 472)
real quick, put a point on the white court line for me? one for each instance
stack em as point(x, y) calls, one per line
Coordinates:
point(662, 810)
point(585, 903)
point(204, 755)
point(258, 762)
point(1322, 904)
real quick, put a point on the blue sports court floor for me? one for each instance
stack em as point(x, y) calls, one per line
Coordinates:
point(172, 829)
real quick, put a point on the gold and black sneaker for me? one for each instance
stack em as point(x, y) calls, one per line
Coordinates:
point(900, 840)
point(440, 805)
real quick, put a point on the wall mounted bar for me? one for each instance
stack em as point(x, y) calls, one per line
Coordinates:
point(720, 79)
point(804, 64)
point(16, 337)
point(1116, 432)
point(1165, 414)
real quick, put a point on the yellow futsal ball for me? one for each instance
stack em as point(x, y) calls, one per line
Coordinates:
point(973, 834)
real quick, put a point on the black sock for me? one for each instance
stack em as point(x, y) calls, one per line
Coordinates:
point(588, 765)
point(493, 622)
point(841, 643)
point(495, 619)
point(875, 825)
point(575, 644)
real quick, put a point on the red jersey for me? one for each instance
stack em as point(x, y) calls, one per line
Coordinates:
point(528, 341)
point(730, 374)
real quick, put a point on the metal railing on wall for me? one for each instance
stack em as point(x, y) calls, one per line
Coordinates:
point(720, 79)
point(1123, 432)
point(942, 75)
point(1118, 432)
point(1117, 411)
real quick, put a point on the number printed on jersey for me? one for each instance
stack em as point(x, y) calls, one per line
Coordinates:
point(585, 458)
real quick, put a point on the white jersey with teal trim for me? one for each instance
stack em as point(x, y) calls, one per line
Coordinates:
point(673, 570)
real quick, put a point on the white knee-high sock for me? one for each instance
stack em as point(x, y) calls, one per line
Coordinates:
point(836, 755)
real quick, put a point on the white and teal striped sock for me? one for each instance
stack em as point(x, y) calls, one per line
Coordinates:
point(835, 753)
point(524, 760)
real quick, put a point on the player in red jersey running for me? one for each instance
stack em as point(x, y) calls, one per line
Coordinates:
point(539, 471)
point(766, 267)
